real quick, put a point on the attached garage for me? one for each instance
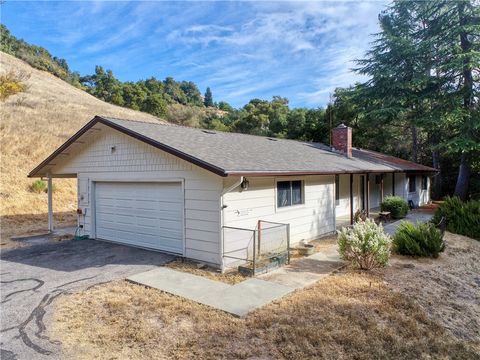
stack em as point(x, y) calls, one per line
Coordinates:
point(143, 214)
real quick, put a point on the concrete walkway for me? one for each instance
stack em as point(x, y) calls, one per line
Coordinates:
point(413, 216)
point(306, 271)
point(237, 299)
point(240, 299)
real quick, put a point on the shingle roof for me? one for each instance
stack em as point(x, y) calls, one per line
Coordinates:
point(240, 154)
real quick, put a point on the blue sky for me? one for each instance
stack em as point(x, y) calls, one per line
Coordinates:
point(242, 50)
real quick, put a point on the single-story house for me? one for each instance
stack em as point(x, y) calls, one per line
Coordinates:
point(175, 189)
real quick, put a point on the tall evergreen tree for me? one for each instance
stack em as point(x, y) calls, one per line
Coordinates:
point(208, 98)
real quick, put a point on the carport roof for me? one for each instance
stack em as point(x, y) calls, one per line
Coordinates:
point(239, 154)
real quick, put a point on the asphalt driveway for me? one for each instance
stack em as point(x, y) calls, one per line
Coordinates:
point(31, 279)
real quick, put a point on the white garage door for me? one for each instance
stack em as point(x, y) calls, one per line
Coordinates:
point(141, 214)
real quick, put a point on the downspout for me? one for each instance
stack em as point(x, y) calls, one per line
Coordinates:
point(222, 207)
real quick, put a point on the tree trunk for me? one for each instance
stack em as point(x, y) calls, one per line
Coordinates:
point(461, 188)
point(438, 178)
point(413, 129)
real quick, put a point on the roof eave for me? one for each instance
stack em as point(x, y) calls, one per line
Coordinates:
point(340, 172)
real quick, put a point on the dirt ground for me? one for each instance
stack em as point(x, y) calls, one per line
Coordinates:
point(401, 312)
point(447, 288)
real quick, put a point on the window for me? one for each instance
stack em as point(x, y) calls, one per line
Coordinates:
point(424, 182)
point(337, 190)
point(412, 186)
point(289, 193)
point(378, 179)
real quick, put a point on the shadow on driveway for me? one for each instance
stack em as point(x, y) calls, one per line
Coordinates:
point(33, 277)
point(76, 255)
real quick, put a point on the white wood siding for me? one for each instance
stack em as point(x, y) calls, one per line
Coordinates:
point(419, 197)
point(133, 160)
point(307, 221)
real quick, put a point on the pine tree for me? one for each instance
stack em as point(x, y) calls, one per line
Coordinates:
point(208, 99)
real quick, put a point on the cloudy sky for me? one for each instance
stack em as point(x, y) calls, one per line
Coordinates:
point(242, 50)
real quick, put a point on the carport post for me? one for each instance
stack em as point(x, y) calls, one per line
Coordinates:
point(50, 203)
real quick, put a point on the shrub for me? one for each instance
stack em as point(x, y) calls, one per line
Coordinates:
point(39, 186)
point(365, 245)
point(422, 239)
point(12, 83)
point(463, 217)
point(397, 206)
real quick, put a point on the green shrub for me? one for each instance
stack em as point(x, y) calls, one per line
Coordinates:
point(463, 217)
point(365, 245)
point(39, 186)
point(397, 206)
point(422, 239)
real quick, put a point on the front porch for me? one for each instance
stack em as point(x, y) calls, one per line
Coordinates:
point(344, 220)
point(363, 192)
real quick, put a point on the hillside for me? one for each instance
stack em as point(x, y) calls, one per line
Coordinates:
point(33, 124)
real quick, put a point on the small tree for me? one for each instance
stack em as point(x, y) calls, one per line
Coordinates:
point(155, 105)
point(365, 245)
point(208, 99)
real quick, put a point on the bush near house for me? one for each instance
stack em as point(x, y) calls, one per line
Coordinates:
point(397, 206)
point(39, 186)
point(365, 245)
point(463, 217)
point(422, 239)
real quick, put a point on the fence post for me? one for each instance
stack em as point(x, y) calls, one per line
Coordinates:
point(254, 254)
point(288, 243)
point(259, 227)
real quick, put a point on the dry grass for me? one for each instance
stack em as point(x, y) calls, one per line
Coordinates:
point(349, 315)
point(35, 123)
point(231, 277)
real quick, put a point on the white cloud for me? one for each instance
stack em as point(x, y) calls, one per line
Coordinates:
point(301, 50)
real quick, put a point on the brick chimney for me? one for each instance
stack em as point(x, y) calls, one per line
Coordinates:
point(342, 139)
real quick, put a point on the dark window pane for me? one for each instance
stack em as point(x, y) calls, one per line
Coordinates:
point(284, 197)
point(412, 187)
point(337, 189)
point(297, 193)
point(425, 183)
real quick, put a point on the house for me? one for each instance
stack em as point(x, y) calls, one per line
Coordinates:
point(176, 189)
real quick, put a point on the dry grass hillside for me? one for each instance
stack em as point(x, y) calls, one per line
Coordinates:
point(33, 124)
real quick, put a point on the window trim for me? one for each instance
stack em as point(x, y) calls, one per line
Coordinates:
point(282, 208)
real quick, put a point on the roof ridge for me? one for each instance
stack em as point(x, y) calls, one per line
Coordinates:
point(166, 123)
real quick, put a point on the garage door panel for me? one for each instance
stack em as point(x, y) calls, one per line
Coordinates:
point(140, 214)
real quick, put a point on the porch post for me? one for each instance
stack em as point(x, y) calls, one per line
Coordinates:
point(381, 188)
point(393, 184)
point(351, 199)
point(368, 194)
point(50, 203)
